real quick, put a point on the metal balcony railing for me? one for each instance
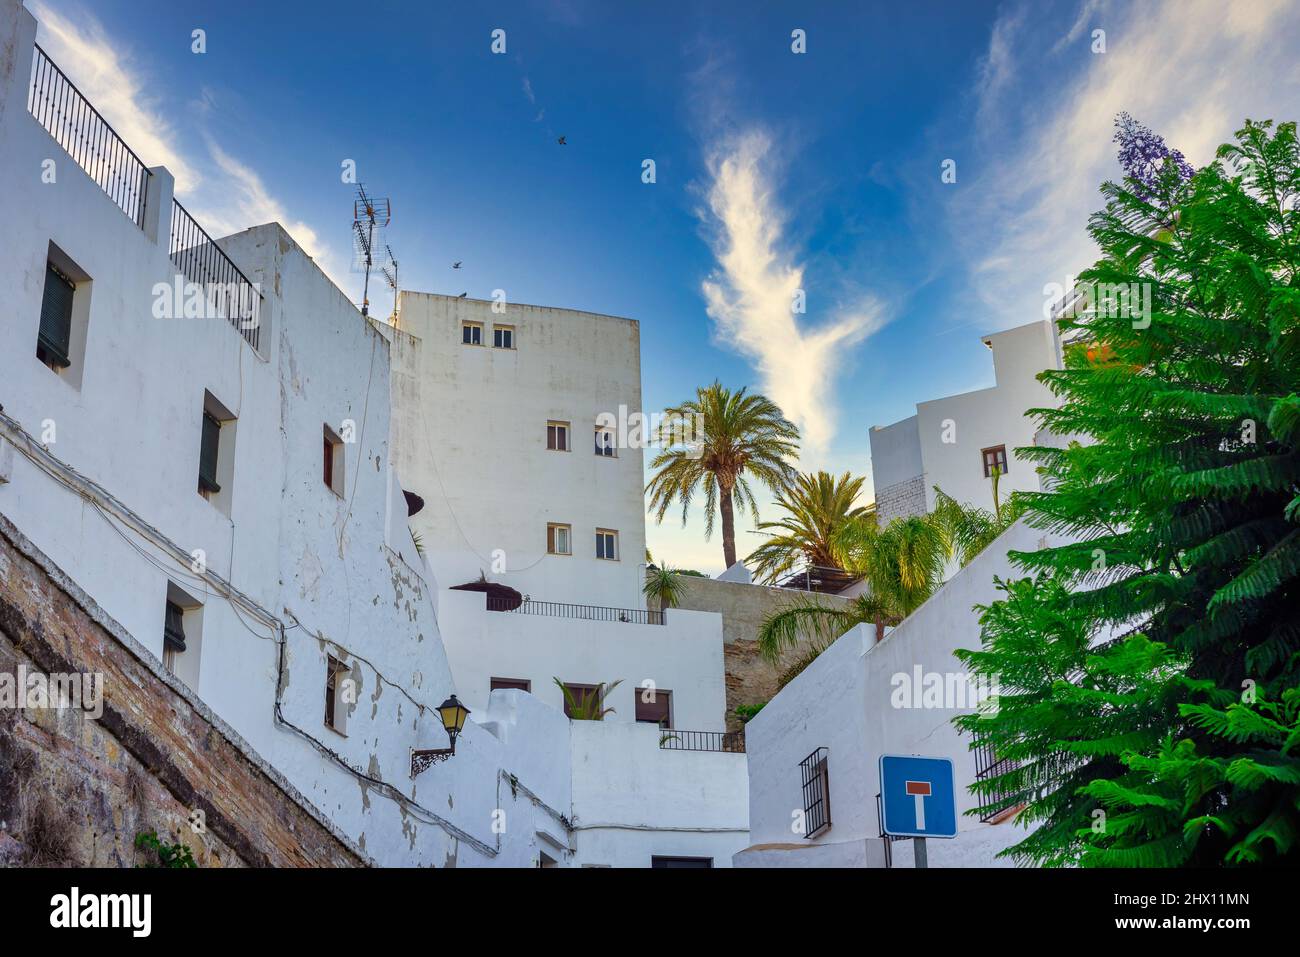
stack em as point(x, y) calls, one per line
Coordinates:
point(731, 742)
point(555, 609)
point(988, 765)
point(85, 136)
point(229, 294)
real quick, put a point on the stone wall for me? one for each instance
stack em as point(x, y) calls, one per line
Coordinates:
point(750, 678)
point(76, 789)
point(901, 500)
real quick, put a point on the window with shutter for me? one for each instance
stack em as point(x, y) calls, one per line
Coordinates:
point(208, 454)
point(173, 628)
point(52, 342)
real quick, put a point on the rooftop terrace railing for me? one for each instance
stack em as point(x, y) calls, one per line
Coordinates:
point(66, 114)
point(730, 742)
point(554, 609)
point(76, 126)
point(228, 292)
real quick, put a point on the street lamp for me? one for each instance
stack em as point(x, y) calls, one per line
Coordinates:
point(453, 715)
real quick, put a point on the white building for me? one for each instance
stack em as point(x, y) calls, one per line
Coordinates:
point(510, 422)
point(955, 441)
point(860, 699)
point(226, 491)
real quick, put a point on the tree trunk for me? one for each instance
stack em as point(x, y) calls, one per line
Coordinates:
point(728, 525)
point(880, 628)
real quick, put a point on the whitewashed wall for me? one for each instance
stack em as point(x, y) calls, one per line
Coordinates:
point(683, 655)
point(979, 420)
point(338, 572)
point(633, 800)
point(470, 434)
point(844, 701)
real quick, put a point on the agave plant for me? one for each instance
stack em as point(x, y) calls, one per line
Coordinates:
point(587, 705)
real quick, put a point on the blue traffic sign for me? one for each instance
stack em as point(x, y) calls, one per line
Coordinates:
point(917, 797)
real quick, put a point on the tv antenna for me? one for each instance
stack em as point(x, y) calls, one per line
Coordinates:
point(368, 214)
point(390, 273)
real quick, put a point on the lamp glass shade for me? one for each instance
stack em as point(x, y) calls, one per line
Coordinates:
point(453, 715)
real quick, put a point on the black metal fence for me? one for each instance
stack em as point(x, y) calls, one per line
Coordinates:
point(228, 293)
point(76, 126)
point(988, 765)
point(555, 609)
point(816, 793)
point(732, 742)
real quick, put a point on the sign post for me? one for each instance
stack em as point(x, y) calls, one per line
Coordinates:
point(918, 800)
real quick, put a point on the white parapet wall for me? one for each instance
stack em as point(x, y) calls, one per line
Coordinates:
point(634, 800)
point(857, 700)
point(682, 656)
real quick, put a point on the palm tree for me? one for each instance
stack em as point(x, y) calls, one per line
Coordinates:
point(743, 436)
point(902, 565)
point(817, 506)
point(968, 529)
point(664, 584)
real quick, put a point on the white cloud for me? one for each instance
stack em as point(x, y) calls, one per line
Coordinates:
point(224, 194)
point(750, 294)
point(1190, 69)
point(108, 78)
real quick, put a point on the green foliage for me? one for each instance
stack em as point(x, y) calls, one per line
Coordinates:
point(589, 704)
point(169, 855)
point(744, 436)
point(664, 585)
point(746, 711)
point(816, 507)
point(1148, 671)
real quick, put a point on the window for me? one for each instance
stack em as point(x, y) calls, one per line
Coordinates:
point(557, 539)
point(511, 684)
point(173, 634)
point(557, 436)
point(182, 635)
point(336, 703)
point(503, 337)
point(471, 333)
point(216, 453)
point(54, 341)
point(332, 461)
point(666, 862)
point(208, 448)
point(995, 457)
point(64, 319)
point(654, 707)
point(586, 697)
point(607, 544)
point(816, 793)
point(605, 443)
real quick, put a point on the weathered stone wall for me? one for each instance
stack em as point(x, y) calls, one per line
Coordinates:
point(76, 790)
point(901, 500)
point(750, 678)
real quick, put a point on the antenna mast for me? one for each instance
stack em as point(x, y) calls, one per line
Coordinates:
point(390, 273)
point(367, 215)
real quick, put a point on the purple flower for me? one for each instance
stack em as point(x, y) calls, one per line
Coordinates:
point(1142, 154)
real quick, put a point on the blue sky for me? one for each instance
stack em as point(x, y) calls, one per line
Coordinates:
point(775, 171)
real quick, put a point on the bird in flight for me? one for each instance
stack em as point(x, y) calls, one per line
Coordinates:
point(561, 141)
point(456, 264)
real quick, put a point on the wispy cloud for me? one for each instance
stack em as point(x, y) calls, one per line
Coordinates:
point(1190, 69)
point(750, 294)
point(223, 192)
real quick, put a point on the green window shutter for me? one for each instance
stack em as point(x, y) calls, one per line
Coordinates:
point(56, 319)
point(208, 454)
